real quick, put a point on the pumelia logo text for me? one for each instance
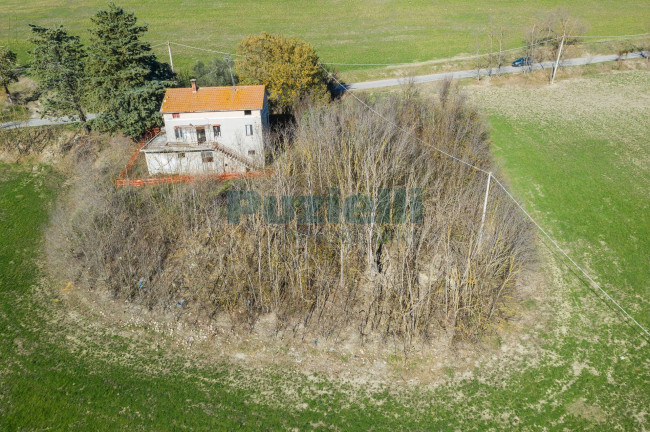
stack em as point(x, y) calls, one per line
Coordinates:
point(388, 207)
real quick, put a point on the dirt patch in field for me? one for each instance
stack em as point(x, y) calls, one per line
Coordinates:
point(572, 99)
point(590, 412)
point(342, 356)
point(595, 108)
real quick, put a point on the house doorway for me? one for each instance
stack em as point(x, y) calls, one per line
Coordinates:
point(200, 135)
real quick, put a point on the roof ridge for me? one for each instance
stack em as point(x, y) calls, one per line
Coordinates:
point(216, 98)
point(236, 87)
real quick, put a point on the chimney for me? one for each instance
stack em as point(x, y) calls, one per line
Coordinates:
point(193, 81)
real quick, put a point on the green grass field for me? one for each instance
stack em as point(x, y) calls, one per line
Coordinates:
point(575, 153)
point(376, 31)
point(578, 153)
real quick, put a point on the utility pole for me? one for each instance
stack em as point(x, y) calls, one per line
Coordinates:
point(478, 61)
point(228, 60)
point(557, 61)
point(485, 202)
point(171, 61)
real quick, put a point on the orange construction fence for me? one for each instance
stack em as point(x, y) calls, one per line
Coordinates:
point(143, 142)
point(121, 181)
point(186, 178)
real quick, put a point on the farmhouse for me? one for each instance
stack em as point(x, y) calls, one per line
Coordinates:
point(210, 130)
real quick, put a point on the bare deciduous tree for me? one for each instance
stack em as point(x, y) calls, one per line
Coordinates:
point(548, 37)
point(496, 34)
point(406, 272)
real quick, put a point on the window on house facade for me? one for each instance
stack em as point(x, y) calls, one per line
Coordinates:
point(200, 134)
point(249, 130)
point(248, 112)
point(176, 115)
point(207, 156)
point(216, 129)
point(181, 134)
point(251, 152)
point(181, 155)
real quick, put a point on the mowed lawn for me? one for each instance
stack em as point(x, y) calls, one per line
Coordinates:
point(373, 31)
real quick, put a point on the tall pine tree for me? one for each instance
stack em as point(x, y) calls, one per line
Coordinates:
point(59, 67)
point(8, 73)
point(127, 82)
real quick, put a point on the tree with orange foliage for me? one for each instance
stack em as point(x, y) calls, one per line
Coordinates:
point(289, 67)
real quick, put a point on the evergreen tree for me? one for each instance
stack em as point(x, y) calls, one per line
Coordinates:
point(137, 110)
point(59, 67)
point(127, 82)
point(8, 73)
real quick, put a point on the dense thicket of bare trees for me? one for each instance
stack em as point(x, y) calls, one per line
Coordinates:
point(388, 266)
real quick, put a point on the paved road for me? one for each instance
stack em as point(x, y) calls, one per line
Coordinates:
point(386, 83)
point(47, 121)
point(485, 72)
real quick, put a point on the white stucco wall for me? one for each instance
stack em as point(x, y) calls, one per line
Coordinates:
point(166, 158)
point(190, 163)
point(233, 129)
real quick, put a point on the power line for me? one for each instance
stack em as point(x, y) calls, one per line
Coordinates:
point(399, 127)
point(593, 282)
point(447, 60)
point(508, 194)
point(213, 44)
point(453, 157)
point(374, 64)
point(545, 41)
point(361, 64)
point(206, 49)
point(605, 41)
point(614, 37)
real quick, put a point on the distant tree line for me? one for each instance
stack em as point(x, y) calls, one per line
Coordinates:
point(546, 38)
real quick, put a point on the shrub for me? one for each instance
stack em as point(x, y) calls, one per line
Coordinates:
point(289, 67)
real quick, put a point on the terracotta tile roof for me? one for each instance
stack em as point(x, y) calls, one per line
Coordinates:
point(178, 100)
